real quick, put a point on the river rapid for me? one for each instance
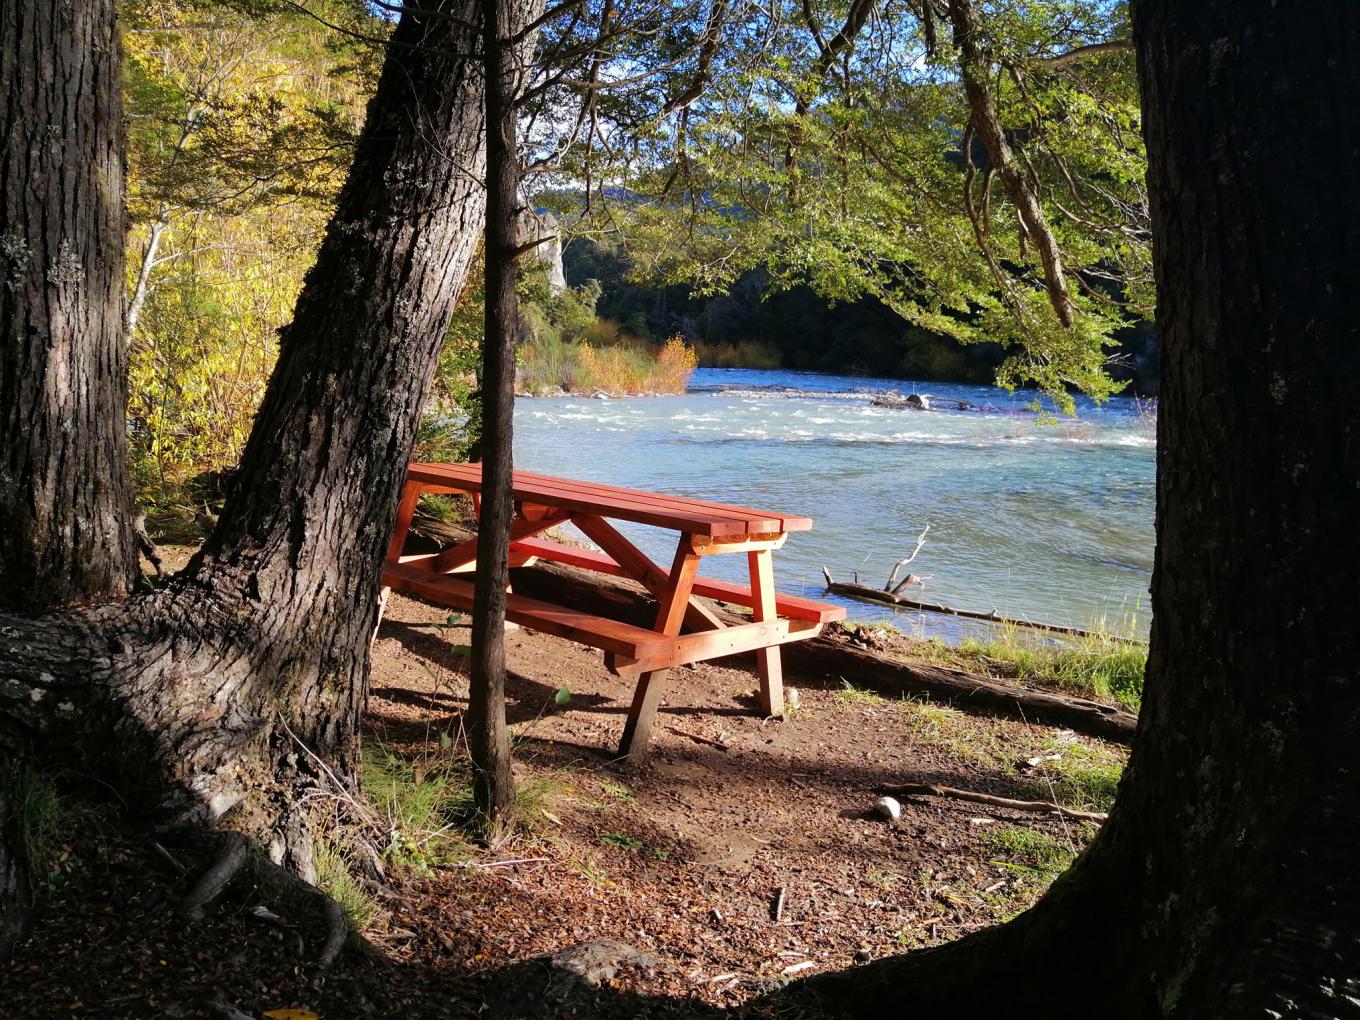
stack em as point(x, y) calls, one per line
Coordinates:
point(1046, 522)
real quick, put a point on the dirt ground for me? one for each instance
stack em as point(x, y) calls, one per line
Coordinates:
point(741, 854)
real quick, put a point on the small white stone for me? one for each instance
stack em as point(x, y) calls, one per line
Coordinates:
point(889, 808)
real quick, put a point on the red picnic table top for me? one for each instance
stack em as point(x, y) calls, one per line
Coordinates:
point(679, 513)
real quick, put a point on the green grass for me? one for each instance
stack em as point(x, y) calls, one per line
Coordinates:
point(1029, 848)
point(850, 696)
point(335, 879)
point(424, 802)
point(428, 807)
point(1105, 665)
point(622, 840)
point(1085, 776)
point(42, 815)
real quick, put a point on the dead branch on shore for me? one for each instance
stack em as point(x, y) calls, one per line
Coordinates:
point(891, 588)
point(1044, 806)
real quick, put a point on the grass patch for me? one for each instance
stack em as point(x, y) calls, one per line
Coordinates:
point(334, 878)
point(424, 802)
point(850, 696)
point(1085, 776)
point(970, 737)
point(41, 814)
point(1104, 666)
point(1028, 848)
point(427, 804)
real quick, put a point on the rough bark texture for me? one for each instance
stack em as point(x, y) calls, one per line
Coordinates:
point(487, 734)
point(65, 530)
point(207, 691)
point(1223, 883)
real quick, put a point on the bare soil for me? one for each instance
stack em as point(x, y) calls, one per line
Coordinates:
point(742, 853)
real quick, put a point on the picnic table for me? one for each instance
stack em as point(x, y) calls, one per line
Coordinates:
point(685, 630)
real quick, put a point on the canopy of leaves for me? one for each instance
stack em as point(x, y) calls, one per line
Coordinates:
point(855, 172)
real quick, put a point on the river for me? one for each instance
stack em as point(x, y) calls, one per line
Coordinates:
point(1045, 522)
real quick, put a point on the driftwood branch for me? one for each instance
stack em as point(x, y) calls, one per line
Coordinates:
point(892, 578)
point(1044, 806)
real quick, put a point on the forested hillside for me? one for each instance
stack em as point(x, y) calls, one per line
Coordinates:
point(754, 323)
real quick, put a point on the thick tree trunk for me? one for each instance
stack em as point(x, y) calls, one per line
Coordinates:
point(487, 734)
point(222, 692)
point(1223, 883)
point(65, 530)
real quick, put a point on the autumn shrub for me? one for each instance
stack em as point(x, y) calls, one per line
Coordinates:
point(206, 343)
point(626, 368)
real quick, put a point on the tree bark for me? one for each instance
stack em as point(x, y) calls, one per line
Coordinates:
point(1223, 883)
point(65, 529)
point(487, 734)
point(218, 698)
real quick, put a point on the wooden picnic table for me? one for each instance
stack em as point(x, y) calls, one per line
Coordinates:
point(685, 630)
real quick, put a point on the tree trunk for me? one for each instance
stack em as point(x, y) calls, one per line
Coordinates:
point(488, 737)
point(65, 529)
point(222, 693)
point(1223, 883)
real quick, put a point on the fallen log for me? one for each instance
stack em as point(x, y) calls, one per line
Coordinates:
point(829, 657)
point(869, 594)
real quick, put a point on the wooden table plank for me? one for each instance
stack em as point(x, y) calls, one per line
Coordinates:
point(564, 497)
point(682, 512)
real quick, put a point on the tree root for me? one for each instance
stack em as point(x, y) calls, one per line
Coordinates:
point(220, 1010)
point(1044, 806)
point(337, 931)
point(235, 854)
point(306, 896)
point(210, 884)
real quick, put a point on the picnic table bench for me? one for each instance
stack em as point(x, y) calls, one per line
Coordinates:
point(685, 630)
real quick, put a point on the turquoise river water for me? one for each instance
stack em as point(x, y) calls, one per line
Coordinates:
point(1045, 522)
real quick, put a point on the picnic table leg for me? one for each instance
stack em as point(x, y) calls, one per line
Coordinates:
point(669, 617)
point(762, 609)
point(406, 509)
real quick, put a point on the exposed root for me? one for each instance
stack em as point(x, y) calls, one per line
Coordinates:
point(220, 1010)
point(306, 896)
point(337, 931)
point(210, 884)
